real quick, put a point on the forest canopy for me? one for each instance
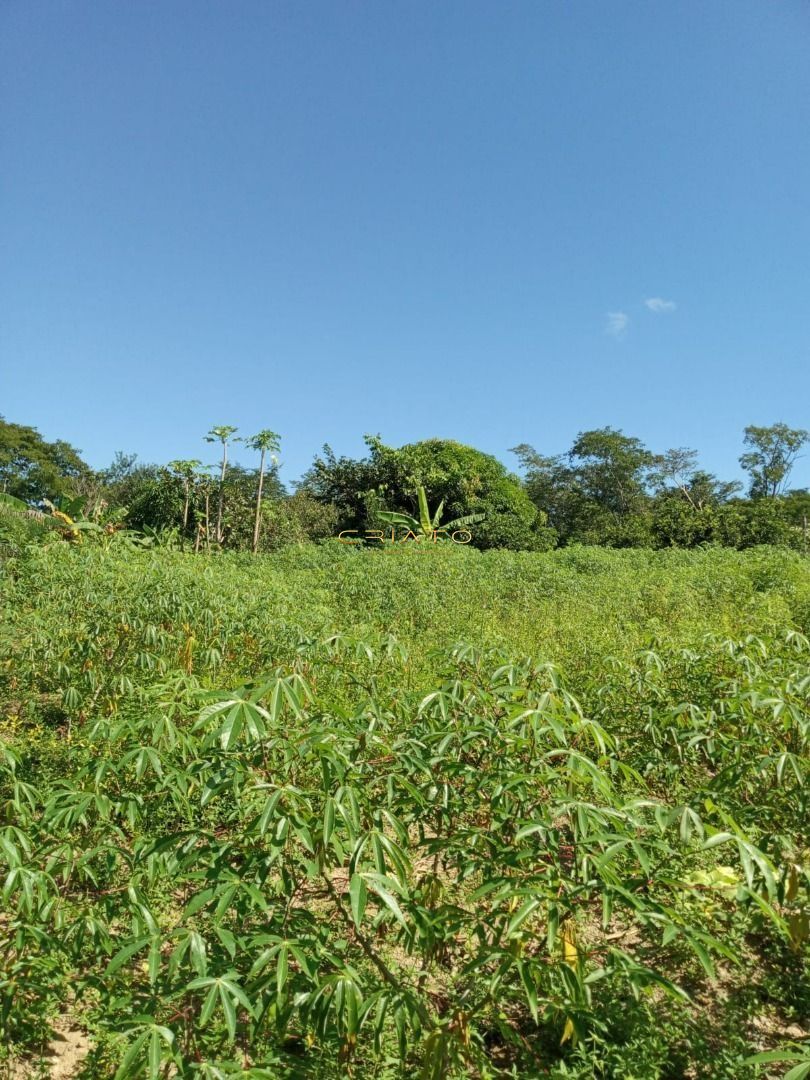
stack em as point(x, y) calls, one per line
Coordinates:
point(609, 489)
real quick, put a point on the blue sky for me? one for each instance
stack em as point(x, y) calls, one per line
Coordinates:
point(416, 219)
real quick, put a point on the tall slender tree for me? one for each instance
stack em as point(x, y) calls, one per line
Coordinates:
point(265, 442)
point(221, 434)
point(202, 485)
point(185, 470)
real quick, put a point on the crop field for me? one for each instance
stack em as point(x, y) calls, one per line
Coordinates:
point(409, 813)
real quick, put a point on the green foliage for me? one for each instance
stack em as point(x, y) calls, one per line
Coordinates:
point(429, 526)
point(32, 469)
point(611, 468)
point(610, 490)
point(240, 489)
point(21, 525)
point(296, 519)
point(464, 480)
point(222, 434)
point(405, 813)
point(158, 501)
point(267, 441)
point(761, 521)
point(597, 490)
point(772, 455)
point(124, 482)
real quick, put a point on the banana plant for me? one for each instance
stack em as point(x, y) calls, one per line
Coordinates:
point(69, 514)
point(66, 516)
point(426, 526)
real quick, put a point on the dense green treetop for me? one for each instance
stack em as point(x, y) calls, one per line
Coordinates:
point(772, 454)
point(33, 469)
point(467, 480)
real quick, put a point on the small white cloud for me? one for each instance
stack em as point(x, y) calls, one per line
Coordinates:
point(617, 323)
point(659, 306)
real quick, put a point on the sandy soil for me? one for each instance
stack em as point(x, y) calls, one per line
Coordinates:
point(63, 1057)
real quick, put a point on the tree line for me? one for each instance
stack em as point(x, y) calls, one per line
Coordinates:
point(608, 489)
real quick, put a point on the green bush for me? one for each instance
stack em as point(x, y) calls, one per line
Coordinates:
point(466, 480)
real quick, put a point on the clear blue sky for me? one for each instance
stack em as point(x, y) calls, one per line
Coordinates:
point(415, 218)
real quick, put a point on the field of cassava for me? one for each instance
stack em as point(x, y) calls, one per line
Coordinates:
point(405, 813)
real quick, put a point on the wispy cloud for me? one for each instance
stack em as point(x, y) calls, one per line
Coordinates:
point(616, 324)
point(659, 306)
